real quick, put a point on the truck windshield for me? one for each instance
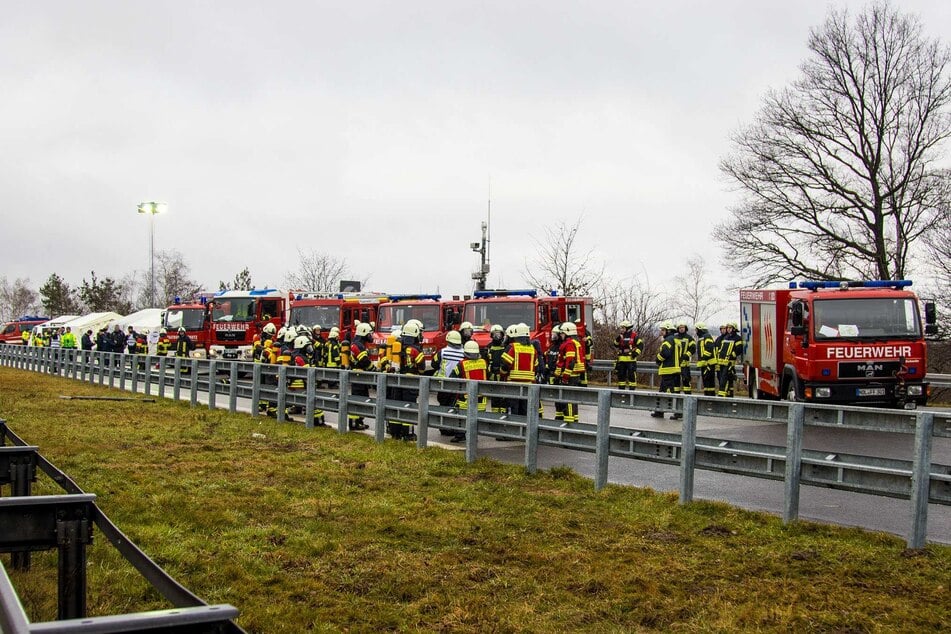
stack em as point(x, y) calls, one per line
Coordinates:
point(866, 318)
point(233, 309)
point(399, 314)
point(483, 314)
point(189, 318)
point(326, 317)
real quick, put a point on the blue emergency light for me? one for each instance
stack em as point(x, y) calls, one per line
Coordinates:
point(526, 292)
point(843, 284)
point(407, 298)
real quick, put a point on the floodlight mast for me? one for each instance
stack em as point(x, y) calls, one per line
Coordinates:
point(151, 209)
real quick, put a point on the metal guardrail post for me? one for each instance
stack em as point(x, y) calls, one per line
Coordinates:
point(72, 567)
point(422, 420)
point(310, 396)
point(114, 360)
point(793, 474)
point(472, 421)
point(921, 479)
point(343, 412)
point(531, 429)
point(177, 378)
point(256, 389)
point(193, 383)
point(379, 421)
point(133, 370)
point(603, 440)
point(148, 373)
point(212, 384)
point(233, 388)
point(688, 449)
point(162, 375)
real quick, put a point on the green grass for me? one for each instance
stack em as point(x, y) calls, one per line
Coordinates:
point(313, 530)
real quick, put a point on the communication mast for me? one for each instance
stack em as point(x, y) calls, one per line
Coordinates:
point(482, 248)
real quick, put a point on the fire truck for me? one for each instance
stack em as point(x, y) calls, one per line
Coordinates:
point(438, 317)
point(837, 342)
point(194, 317)
point(238, 316)
point(541, 314)
point(342, 310)
point(12, 331)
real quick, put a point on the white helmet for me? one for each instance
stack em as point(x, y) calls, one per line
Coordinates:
point(569, 329)
point(363, 330)
point(163, 331)
point(410, 329)
point(315, 329)
point(301, 342)
point(290, 335)
point(700, 326)
point(471, 348)
point(667, 325)
point(454, 337)
point(280, 333)
point(510, 331)
point(416, 322)
point(269, 328)
point(521, 330)
point(464, 325)
point(334, 333)
point(626, 324)
point(496, 328)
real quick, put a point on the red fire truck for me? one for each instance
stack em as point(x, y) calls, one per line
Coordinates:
point(837, 342)
point(342, 310)
point(507, 307)
point(237, 316)
point(194, 317)
point(438, 317)
point(12, 331)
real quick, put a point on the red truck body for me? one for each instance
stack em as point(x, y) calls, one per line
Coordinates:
point(12, 331)
point(342, 310)
point(835, 342)
point(438, 316)
point(541, 314)
point(195, 318)
point(237, 317)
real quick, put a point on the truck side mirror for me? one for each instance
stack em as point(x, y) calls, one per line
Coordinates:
point(931, 313)
point(798, 327)
point(554, 315)
point(449, 317)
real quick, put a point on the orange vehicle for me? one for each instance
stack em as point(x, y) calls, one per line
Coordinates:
point(438, 317)
point(541, 314)
point(12, 331)
point(837, 342)
point(342, 310)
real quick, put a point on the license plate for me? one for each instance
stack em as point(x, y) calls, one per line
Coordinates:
point(230, 355)
point(870, 391)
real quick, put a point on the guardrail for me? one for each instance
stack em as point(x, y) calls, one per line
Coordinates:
point(915, 478)
point(30, 523)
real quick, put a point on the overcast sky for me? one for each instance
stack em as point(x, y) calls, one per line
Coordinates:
point(371, 131)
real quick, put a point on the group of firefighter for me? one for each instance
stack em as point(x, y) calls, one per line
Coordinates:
point(511, 355)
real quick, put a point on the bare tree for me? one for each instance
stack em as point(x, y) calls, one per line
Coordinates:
point(172, 279)
point(695, 297)
point(838, 174)
point(319, 272)
point(633, 299)
point(559, 265)
point(17, 299)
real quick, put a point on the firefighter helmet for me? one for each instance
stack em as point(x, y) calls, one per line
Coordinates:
point(315, 329)
point(334, 333)
point(626, 324)
point(464, 325)
point(181, 329)
point(556, 329)
point(363, 330)
point(290, 335)
point(667, 325)
point(521, 330)
point(417, 323)
point(733, 325)
point(471, 349)
point(569, 329)
point(510, 331)
point(269, 328)
point(454, 337)
point(700, 326)
point(682, 324)
point(163, 331)
point(496, 328)
point(301, 342)
point(410, 329)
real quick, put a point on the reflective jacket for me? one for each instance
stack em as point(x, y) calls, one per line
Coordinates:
point(668, 356)
point(520, 362)
point(629, 346)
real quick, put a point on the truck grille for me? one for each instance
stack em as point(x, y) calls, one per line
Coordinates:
point(868, 369)
point(229, 335)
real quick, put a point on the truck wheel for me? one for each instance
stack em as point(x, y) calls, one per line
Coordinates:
point(791, 389)
point(753, 381)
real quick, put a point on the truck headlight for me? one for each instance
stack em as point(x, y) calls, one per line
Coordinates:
point(915, 390)
point(823, 392)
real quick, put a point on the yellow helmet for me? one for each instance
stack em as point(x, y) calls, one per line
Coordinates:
point(454, 337)
point(471, 348)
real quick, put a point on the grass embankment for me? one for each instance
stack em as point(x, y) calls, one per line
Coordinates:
point(315, 530)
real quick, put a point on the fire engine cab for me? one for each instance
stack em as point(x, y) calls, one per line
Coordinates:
point(541, 314)
point(438, 317)
point(837, 342)
point(194, 318)
point(342, 310)
point(238, 316)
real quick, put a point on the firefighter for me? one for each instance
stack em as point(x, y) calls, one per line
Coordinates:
point(728, 348)
point(465, 330)
point(267, 336)
point(687, 349)
point(183, 349)
point(492, 353)
point(629, 348)
point(519, 363)
point(318, 342)
point(551, 364)
point(668, 362)
point(706, 359)
point(303, 355)
point(359, 352)
point(473, 367)
point(445, 361)
point(588, 342)
point(570, 367)
point(331, 349)
point(164, 344)
point(412, 361)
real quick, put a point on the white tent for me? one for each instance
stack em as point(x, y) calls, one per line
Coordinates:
point(92, 321)
point(146, 319)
